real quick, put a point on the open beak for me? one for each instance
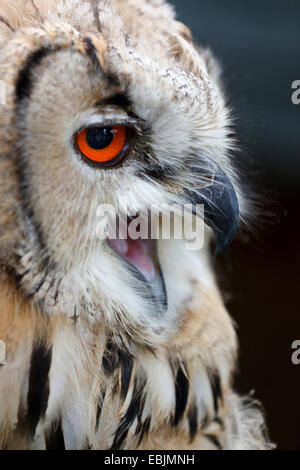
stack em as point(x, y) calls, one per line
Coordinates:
point(141, 258)
point(221, 213)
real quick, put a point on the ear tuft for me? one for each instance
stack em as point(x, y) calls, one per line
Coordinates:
point(184, 31)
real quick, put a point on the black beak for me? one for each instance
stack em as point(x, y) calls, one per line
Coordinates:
point(221, 208)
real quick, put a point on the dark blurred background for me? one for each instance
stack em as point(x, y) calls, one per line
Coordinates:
point(258, 44)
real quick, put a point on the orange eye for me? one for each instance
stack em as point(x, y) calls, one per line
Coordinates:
point(104, 146)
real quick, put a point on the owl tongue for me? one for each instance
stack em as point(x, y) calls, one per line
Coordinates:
point(140, 253)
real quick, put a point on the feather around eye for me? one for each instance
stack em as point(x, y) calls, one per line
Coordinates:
point(104, 146)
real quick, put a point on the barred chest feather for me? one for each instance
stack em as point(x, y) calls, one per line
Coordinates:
point(69, 384)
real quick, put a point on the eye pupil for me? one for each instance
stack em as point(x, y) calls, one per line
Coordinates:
point(104, 146)
point(99, 138)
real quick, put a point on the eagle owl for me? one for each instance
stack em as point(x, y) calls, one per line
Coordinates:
point(124, 343)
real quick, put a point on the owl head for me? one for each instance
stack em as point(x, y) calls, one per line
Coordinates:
point(109, 101)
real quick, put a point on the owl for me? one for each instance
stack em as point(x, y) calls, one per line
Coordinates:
point(114, 343)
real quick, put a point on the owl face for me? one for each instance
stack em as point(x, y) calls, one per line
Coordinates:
point(101, 118)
